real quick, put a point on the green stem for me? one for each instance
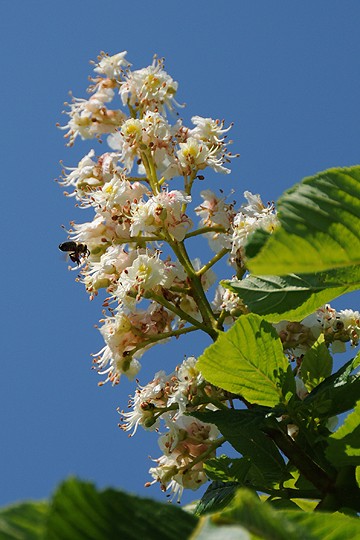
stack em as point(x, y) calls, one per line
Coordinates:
point(189, 182)
point(346, 492)
point(311, 470)
point(203, 456)
point(161, 181)
point(196, 288)
point(171, 307)
point(159, 337)
point(151, 171)
point(137, 239)
point(205, 230)
point(212, 261)
point(221, 318)
point(210, 401)
point(180, 290)
point(132, 111)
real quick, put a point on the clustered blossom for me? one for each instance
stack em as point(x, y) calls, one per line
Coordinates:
point(338, 328)
point(187, 439)
point(136, 249)
point(123, 334)
point(137, 234)
point(229, 228)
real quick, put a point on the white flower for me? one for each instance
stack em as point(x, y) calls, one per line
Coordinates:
point(187, 440)
point(117, 193)
point(208, 130)
point(85, 174)
point(349, 325)
point(111, 66)
point(338, 327)
point(149, 88)
point(127, 141)
point(90, 118)
point(251, 217)
point(215, 212)
point(193, 155)
point(185, 386)
point(146, 273)
point(160, 213)
point(157, 131)
point(107, 270)
point(145, 400)
point(188, 305)
point(92, 233)
point(301, 390)
point(228, 301)
point(125, 335)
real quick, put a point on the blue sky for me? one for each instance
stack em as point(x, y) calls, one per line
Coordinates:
point(287, 73)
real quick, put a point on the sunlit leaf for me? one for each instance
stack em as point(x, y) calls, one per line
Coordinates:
point(316, 364)
point(320, 226)
point(293, 297)
point(216, 497)
point(226, 469)
point(337, 393)
point(207, 530)
point(24, 521)
point(344, 444)
point(243, 429)
point(79, 512)
point(266, 522)
point(249, 360)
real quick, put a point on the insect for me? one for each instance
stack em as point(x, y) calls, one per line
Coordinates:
point(76, 251)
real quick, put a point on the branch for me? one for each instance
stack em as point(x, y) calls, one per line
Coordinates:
point(312, 472)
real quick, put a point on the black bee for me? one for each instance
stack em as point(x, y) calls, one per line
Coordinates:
point(76, 250)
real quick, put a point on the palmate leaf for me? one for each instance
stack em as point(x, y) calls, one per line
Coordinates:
point(249, 360)
point(294, 297)
point(226, 469)
point(336, 394)
point(316, 364)
point(80, 512)
point(344, 444)
point(243, 430)
point(247, 512)
point(24, 521)
point(320, 227)
point(216, 497)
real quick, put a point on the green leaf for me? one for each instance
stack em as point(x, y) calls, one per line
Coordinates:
point(316, 365)
point(217, 496)
point(79, 512)
point(344, 444)
point(249, 360)
point(259, 518)
point(282, 503)
point(336, 394)
point(293, 297)
point(324, 525)
point(226, 469)
point(265, 522)
point(24, 521)
point(258, 240)
point(320, 224)
point(243, 430)
point(207, 530)
point(357, 475)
